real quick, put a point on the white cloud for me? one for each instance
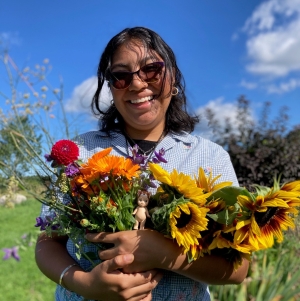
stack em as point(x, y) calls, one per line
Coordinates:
point(9, 38)
point(248, 85)
point(82, 95)
point(284, 87)
point(273, 38)
point(222, 112)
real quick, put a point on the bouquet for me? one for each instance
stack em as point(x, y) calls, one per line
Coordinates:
point(203, 217)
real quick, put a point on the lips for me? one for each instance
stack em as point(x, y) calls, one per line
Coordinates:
point(143, 99)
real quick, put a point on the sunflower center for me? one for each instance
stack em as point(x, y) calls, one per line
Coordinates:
point(262, 218)
point(183, 220)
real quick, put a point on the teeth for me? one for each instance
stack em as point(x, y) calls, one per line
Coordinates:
point(148, 98)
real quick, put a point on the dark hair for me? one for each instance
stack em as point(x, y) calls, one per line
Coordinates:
point(177, 118)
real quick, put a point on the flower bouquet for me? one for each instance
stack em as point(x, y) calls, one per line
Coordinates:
point(201, 216)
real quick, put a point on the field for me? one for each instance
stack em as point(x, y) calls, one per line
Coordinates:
point(22, 281)
point(274, 274)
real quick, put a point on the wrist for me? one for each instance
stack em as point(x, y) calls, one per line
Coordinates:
point(73, 279)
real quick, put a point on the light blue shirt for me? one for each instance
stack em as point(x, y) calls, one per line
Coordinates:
point(185, 153)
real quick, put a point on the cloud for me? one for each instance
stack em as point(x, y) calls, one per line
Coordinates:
point(273, 38)
point(9, 38)
point(222, 112)
point(284, 87)
point(82, 95)
point(248, 85)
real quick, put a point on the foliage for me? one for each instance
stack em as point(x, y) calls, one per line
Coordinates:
point(259, 150)
point(22, 279)
point(10, 153)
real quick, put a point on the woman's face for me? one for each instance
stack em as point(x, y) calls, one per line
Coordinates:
point(141, 108)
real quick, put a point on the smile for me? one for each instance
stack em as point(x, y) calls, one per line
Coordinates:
point(148, 98)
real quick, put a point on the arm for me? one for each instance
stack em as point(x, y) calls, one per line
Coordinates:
point(105, 281)
point(209, 269)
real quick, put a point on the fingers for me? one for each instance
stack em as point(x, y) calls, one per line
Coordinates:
point(143, 292)
point(103, 237)
point(118, 262)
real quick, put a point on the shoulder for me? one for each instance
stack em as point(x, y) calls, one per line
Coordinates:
point(196, 142)
point(91, 142)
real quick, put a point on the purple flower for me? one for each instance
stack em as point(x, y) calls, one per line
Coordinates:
point(136, 157)
point(45, 223)
point(11, 252)
point(48, 158)
point(41, 223)
point(159, 156)
point(71, 170)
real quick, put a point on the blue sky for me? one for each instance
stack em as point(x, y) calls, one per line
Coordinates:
point(224, 48)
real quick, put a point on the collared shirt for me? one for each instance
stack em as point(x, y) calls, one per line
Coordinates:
point(185, 153)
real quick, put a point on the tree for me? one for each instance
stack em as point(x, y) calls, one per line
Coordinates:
point(263, 150)
point(11, 147)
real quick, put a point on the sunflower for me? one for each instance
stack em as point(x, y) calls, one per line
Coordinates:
point(234, 252)
point(186, 221)
point(270, 214)
point(292, 186)
point(183, 184)
point(208, 183)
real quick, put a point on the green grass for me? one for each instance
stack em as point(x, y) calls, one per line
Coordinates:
point(22, 281)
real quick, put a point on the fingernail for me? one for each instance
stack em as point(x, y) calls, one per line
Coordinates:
point(128, 257)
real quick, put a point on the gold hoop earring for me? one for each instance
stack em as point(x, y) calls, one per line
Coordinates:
point(176, 91)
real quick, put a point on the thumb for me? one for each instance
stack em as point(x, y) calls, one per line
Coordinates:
point(118, 262)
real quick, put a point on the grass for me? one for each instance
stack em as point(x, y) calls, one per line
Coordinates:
point(22, 281)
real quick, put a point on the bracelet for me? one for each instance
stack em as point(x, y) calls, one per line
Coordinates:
point(64, 272)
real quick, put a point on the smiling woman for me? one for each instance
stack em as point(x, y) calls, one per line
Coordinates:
point(148, 109)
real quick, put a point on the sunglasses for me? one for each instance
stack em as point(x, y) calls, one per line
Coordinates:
point(149, 73)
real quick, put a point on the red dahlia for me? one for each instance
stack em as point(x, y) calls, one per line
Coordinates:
point(64, 152)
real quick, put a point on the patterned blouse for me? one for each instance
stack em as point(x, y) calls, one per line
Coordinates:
point(185, 153)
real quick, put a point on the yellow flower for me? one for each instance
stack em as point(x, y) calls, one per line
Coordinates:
point(183, 184)
point(208, 183)
point(270, 214)
point(235, 252)
point(186, 223)
point(292, 186)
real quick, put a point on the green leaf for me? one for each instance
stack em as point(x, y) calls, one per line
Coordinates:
point(229, 194)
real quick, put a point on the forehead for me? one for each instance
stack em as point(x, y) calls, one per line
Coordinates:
point(133, 52)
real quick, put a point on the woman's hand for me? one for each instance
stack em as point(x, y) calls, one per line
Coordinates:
point(147, 246)
point(107, 282)
point(152, 250)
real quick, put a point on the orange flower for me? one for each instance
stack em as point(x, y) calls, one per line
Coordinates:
point(102, 165)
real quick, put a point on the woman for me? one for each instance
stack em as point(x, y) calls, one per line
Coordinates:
point(148, 109)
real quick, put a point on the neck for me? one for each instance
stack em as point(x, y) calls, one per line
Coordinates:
point(152, 135)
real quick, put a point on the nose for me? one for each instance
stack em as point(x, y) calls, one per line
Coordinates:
point(137, 83)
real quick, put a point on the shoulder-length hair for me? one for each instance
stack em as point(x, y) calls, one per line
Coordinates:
point(177, 117)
